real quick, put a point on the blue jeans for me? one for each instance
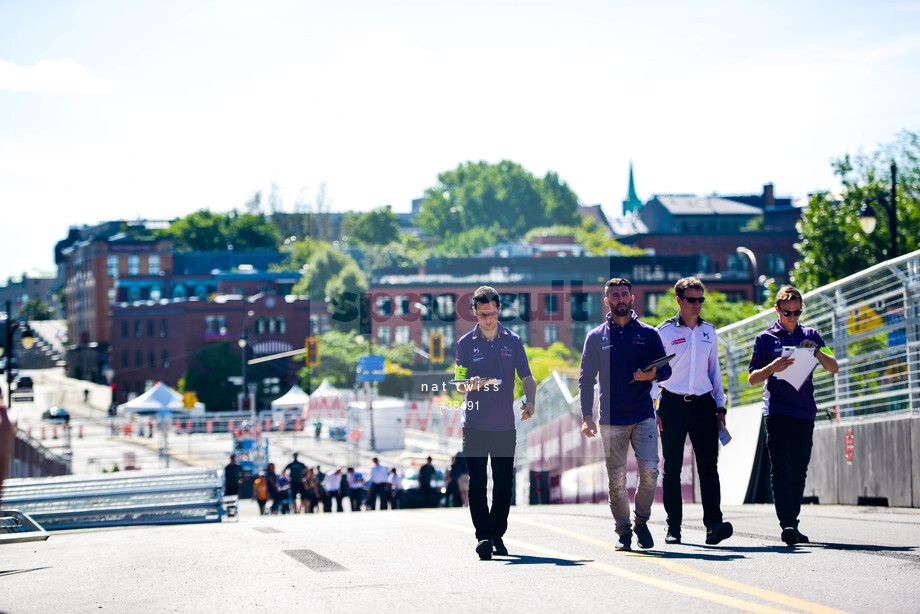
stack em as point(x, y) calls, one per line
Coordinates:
point(643, 437)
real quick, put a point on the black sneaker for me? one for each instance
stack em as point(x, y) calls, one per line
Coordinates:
point(625, 541)
point(718, 532)
point(790, 536)
point(499, 547)
point(673, 536)
point(643, 536)
point(801, 537)
point(484, 549)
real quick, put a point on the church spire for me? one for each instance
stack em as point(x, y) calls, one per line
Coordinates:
point(632, 204)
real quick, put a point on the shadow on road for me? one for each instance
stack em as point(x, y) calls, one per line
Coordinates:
point(720, 555)
point(518, 559)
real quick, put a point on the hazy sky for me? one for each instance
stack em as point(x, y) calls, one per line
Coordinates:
point(123, 110)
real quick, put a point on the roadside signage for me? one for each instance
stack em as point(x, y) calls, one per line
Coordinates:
point(371, 369)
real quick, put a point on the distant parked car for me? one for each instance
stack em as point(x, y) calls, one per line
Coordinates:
point(56, 413)
point(413, 495)
point(23, 382)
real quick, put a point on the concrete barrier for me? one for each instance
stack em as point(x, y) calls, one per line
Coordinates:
point(871, 461)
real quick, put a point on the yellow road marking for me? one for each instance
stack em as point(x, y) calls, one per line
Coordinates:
point(754, 591)
point(726, 600)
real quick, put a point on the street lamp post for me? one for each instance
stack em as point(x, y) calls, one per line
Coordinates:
point(26, 339)
point(743, 251)
point(868, 219)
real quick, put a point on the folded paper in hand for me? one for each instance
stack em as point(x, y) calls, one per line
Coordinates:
point(799, 371)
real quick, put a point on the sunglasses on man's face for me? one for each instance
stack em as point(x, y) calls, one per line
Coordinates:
point(694, 299)
point(789, 314)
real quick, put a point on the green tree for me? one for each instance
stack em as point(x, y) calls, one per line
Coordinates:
point(832, 244)
point(404, 251)
point(543, 361)
point(376, 227)
point(36, 309)
point(502, 198)
point(320, 262)
point(589, 234)
point(208, 231)
point(717, 309)
point(464, 244)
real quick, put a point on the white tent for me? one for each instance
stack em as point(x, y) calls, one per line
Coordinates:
point(160, 398)
point(295, 398)
point(328, 403)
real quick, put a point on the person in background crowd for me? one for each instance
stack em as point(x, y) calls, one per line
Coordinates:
point(790, 412)
point(355, 483)
point(233, 477)
point(260, 491)
point(426, 473)
point(616, 353)
point(310, 491)
point(396, 489)
point(378, 485)
point(294, 470)
point(332, 485)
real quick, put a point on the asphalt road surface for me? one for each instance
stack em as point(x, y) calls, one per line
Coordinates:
point(562, 559)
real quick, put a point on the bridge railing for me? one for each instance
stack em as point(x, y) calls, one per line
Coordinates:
point(870, 320)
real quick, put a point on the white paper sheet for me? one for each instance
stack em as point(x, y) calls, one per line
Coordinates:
point(798, 371)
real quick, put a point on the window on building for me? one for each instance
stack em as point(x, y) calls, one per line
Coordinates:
point(775, 264)
point(134, 265)
point(282, 325)
point(384, 335)
point(580, 304)
point(165, 358)
point(126, 359)
point(445, 307)
point(124, 329)
point(402, 305)
point(550, 334)
point(163, 328)
point(521, 329)
point(383, 306)
point(153, 264)
point(401, 335)
point(215, 327)
point(653, 301)
point(138, 329)
point(150, 328)
point(112, 266)
point(550, 304)
point(137, 358)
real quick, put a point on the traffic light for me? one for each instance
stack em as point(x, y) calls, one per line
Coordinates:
point(436, 347)
point(312, 347)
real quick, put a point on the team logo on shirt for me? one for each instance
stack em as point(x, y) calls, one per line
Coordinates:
point(706, 337)
point(679, 341)
point(505, 352)
point(638, 341)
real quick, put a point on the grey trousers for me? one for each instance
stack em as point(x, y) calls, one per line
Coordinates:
point(643, 437)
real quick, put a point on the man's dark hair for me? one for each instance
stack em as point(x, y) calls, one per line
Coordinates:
point(688, 283)
point(617, 281)
point(484, 295)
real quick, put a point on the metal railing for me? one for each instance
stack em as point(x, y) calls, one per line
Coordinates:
point(871, 322)
point(124, 498)
point(17, 527)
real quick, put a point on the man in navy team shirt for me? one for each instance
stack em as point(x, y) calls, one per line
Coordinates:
point(491, 351)
point(790, 413)
point(616, 352)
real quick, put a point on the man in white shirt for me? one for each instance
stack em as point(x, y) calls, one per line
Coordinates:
point(332, 484)
point(692, 402)
point(378, 481)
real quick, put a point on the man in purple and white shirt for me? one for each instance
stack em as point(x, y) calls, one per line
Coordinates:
point(790, 412)
point(491, 352)
point(615, 353)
